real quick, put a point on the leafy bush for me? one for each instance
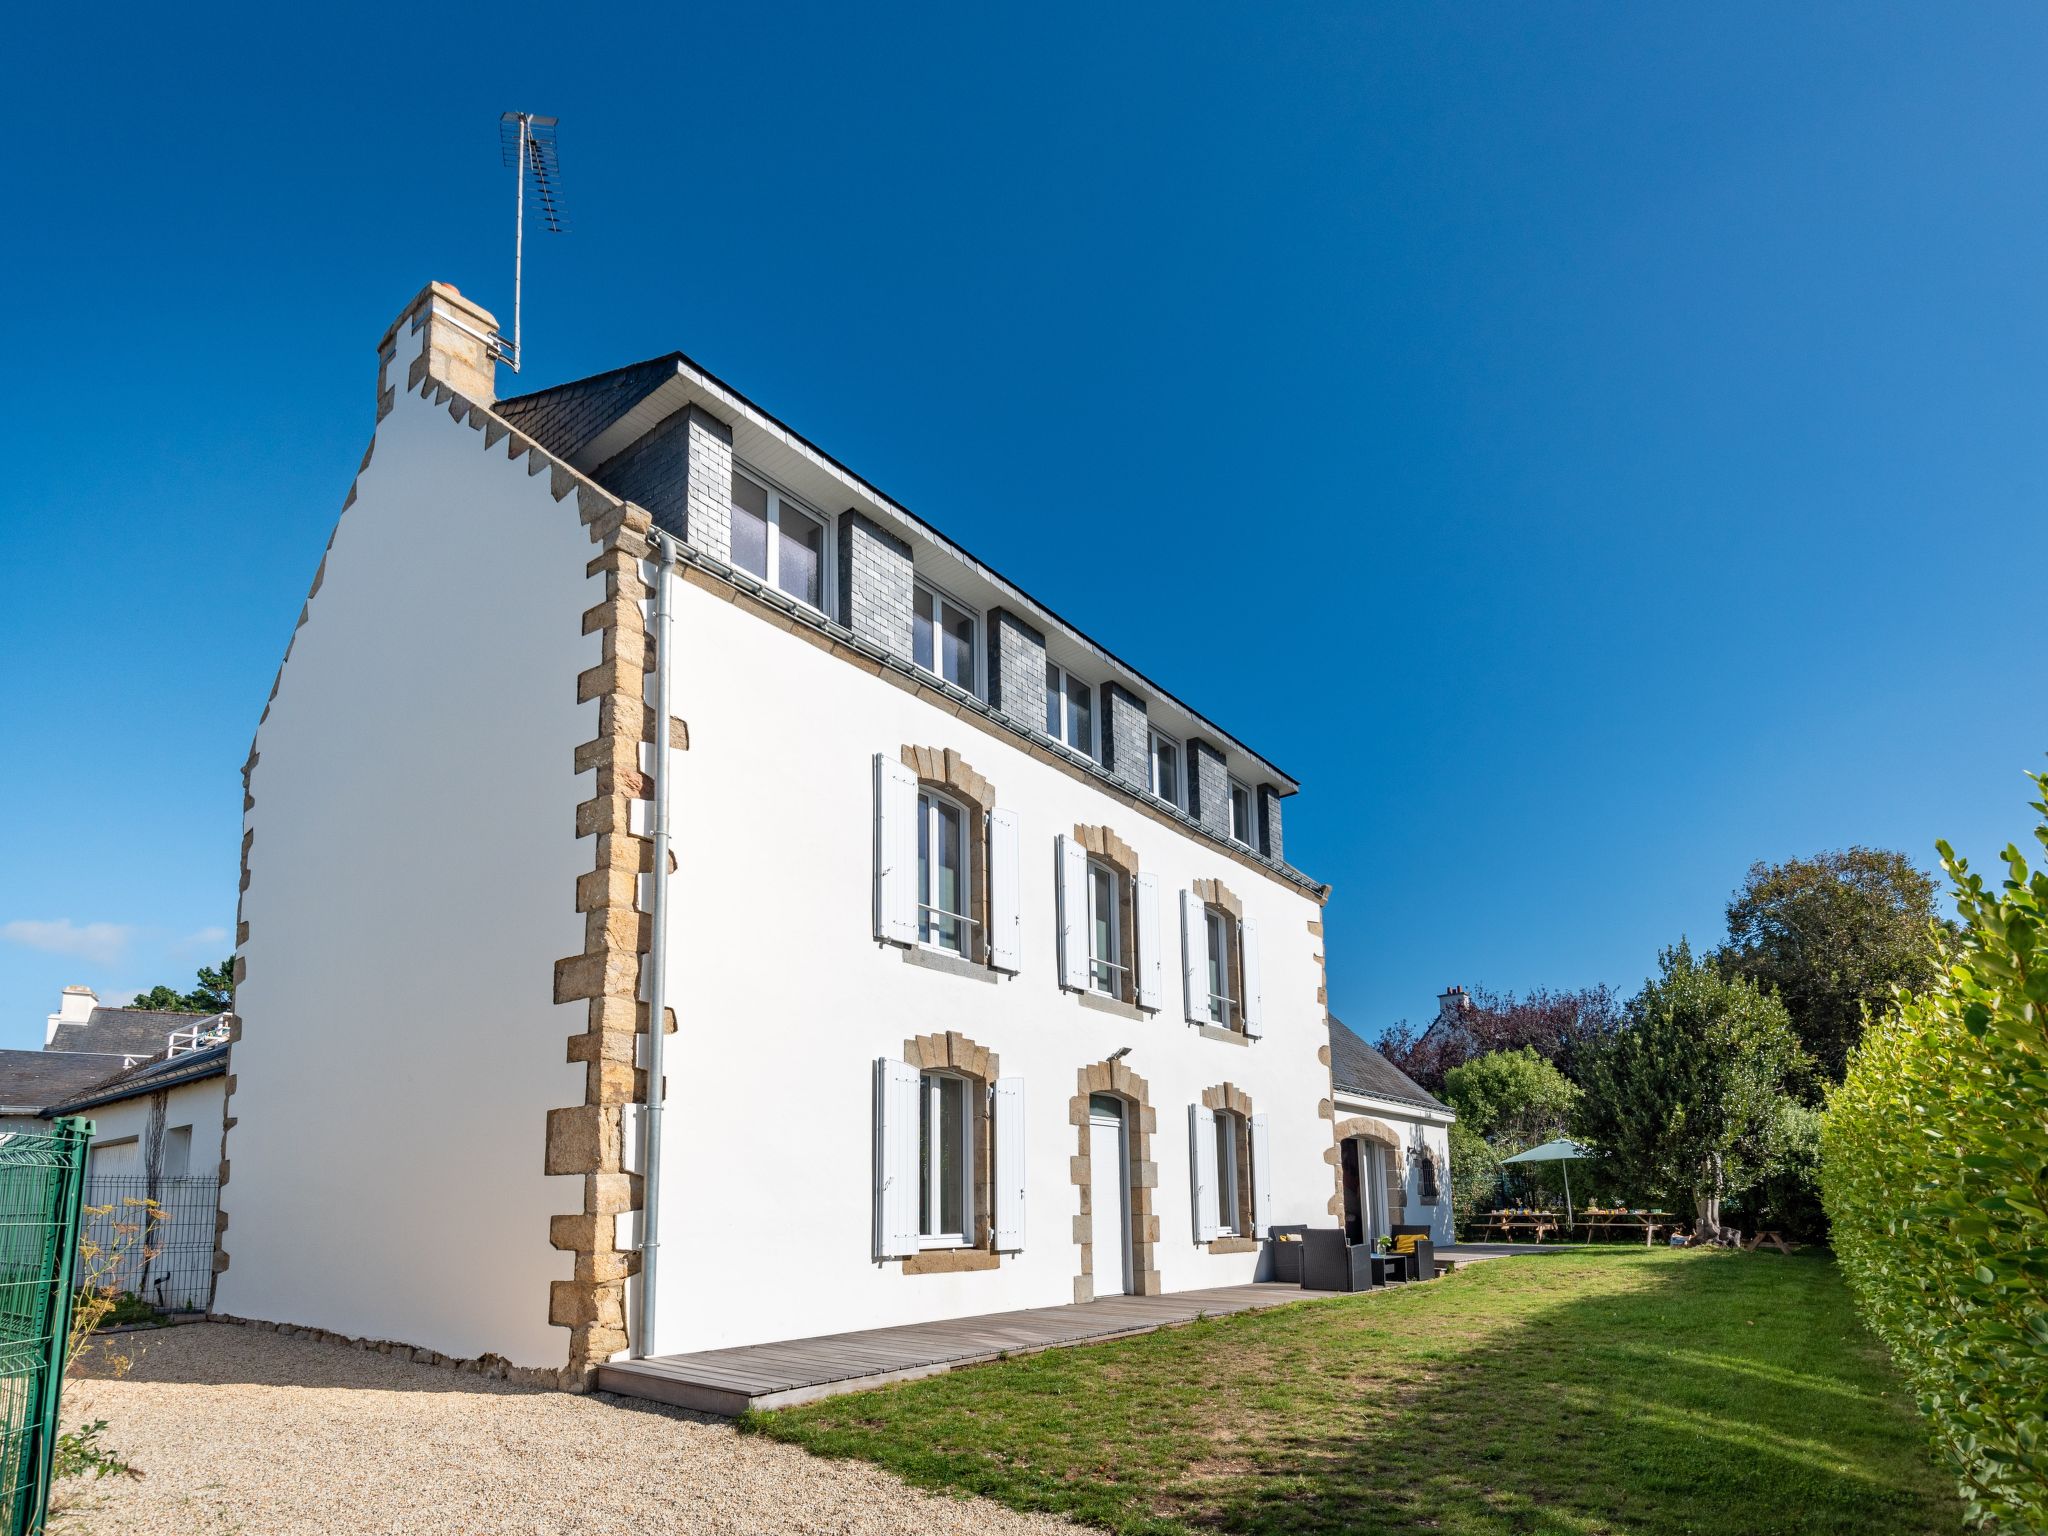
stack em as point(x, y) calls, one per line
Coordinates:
point(1934, 1170)
point(1787, 1199)
point(1511, 1097)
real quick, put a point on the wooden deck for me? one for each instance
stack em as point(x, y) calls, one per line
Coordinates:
point(730, 1381)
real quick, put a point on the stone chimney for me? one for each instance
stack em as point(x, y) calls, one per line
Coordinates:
point(75, 1007)
point(1452, 1005)
point(439, 335)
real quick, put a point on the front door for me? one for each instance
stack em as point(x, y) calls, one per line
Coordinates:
point(1109, 1195)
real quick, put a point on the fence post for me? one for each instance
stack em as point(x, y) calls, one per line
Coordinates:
point(73, 1137)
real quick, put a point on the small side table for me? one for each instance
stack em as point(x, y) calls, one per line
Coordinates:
point(1389, 1269)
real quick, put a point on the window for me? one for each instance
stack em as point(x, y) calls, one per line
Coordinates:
point(1226, 1173)
point(945, 1157)
point(1166, 774)
point(1105, 930)
point(942, 637)
point(1222, 935)
point(1241, 813)
point(1426, 1179)
point(942, 873)
point(1069, 710)
point(777, 541)
point(178, 1152)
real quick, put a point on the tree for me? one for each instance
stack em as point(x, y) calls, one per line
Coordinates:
point(214, 994)
point(1834, 934)
point(1515, 1099)
point(1934, 1169)
point(1683, 1100)
point(1556, 1025)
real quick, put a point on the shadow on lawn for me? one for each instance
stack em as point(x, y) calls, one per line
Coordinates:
point(1703, 1398)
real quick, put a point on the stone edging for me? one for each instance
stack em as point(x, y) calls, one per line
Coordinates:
point(495, 1367)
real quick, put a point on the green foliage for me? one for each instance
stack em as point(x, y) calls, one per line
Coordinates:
point(1475, 1175)
point(1684, 1100)
point(1787, 1199)
point(214, 994)
point(80, 1454)
point(1512, 1097)
point(1934, 1168)
point(1834, 934)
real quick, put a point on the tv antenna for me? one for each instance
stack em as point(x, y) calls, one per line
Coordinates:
point(527, 141)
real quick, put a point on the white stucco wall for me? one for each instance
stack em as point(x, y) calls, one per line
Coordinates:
point(784, 1000)
point(412, 882)
point(1432, 1132)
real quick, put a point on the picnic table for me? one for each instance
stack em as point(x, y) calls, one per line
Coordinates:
point(1538, 1224)
point(1619, 1219)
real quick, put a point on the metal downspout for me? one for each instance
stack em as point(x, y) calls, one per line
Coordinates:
point(642, 1338)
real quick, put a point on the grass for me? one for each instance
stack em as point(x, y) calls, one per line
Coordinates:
point(1647, 1391)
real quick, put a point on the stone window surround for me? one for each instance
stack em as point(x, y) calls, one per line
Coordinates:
point(1215, 893)
point(1140, 1121)
point(1229, 1099)
point(1105, 847)
point(954, 1052)
point(945, 770)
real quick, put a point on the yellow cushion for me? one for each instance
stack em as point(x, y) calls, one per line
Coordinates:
point(1405, 1243)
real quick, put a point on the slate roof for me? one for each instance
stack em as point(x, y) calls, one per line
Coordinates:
point(30, 1081)
point(1358, 1068)
point(148, 1078)
point(124, 1031)
point(569, 417)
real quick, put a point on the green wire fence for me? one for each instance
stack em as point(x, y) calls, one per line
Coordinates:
point(42, 1190)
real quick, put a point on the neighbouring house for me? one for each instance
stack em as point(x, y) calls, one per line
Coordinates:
point(978, 973)
point(88, 1045)
point(1393, 1144)
point(153, 1084)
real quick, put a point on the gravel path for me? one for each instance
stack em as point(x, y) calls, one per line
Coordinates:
point(238, 1430)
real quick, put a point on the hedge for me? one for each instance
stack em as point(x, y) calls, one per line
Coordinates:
point(1934, 1172)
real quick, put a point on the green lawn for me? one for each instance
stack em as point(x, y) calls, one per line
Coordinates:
point(1614, 1391)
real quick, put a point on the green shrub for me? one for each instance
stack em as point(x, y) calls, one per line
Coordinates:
point(1934, 1171)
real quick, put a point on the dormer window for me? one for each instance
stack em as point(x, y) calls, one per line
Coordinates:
point(942, 636)
point(778, 541)
point(1069, 710)
point(1168, 782)
point(1241, 813)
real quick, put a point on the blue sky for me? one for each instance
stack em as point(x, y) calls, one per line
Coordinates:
point(1592, 447)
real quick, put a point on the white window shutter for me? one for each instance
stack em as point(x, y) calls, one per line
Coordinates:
point(1194, 950)
point(1151, 963)
point(895, 851)
point(1202, 1169)
point(1254, 1009)
point(1005, 904)
point(896, 1171)
point(1262, 1188)
point(1009, 1169)
point(1073, 884)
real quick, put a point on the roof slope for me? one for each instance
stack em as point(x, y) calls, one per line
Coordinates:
point(124, 1031)
point(149, 1077)
point(568, 418)
point(1357, 1068)
point(32, 1080)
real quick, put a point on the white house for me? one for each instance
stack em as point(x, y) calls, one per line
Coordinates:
point(984, 979)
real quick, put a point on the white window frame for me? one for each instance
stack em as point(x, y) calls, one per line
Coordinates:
point(1106, 975)
point(776, 497)
point(1179, 798)
point(1229, 1219)
point(920, 590)
point(1247, 838)
point(931, 1089)
point(930, 803)
point(1058, 698)
point(1219, 926)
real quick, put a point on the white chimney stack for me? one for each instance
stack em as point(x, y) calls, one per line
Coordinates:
point(75, 1007)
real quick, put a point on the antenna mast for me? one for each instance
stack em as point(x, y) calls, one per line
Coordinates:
point(527, 144)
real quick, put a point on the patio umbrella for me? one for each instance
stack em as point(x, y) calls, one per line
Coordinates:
point(1563, 1150)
